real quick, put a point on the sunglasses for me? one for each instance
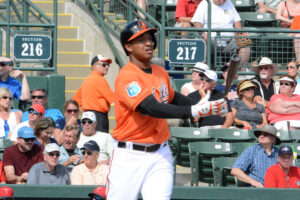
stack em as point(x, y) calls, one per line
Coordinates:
point(264, 134)
point(249, 88)
point(29, 139)
point(86, 122)
point(286, 84)
point(9, 63)
point(51, 154)
point(96, 198)
point(105, 64)
point(290, 66)
point(72, 111)
point(34, 112)
point(6, 97)
point(202, 78)
point(37, 97)
point(86, 152)
point(265, 68)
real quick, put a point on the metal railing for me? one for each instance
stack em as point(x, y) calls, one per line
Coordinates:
point(24, 17)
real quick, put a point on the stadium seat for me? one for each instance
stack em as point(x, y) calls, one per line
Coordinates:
point(4, 143)
point(295, 135)
point(244, 5)
point(284, 136)
point(221, 171)
point(254, 19)
point(201, 154)
point(232, 135)
point(239, 147)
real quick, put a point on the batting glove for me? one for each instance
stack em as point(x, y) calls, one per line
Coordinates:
point(218, 107)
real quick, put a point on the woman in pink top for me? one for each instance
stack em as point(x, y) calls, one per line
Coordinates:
point(284, 108)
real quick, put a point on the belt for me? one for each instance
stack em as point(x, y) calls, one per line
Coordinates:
point(137, 147)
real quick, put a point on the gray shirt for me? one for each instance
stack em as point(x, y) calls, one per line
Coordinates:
point(270, 3)
point(39, 174)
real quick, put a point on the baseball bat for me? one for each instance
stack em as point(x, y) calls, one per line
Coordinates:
point(232, 71)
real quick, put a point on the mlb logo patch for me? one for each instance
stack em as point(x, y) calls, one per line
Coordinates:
point(133, 89)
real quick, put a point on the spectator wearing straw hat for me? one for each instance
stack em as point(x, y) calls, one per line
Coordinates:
point(265, 85)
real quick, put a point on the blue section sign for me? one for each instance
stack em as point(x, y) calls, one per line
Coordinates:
point(186, 51)
point(34, 48)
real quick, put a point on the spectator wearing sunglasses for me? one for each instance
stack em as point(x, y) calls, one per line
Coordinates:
point(71, 113)
point(208, 81)
point(293, 71)
point(43, 131)
point(98, 193)
point(39, 96)
point(247, 113)
point(19, 158)
point(104, 140)
point(284, 108)
point(8, 118)
point(95, 94)
point(18, 90)
point(265, 85)
point(90, 172)
point(49, 171)
point(36, 113)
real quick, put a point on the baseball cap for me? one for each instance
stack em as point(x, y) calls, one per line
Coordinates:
point(26, 132)
point(211, 75)
point(100, 58)
point(285, 150)
point(6, 192)
point(99, 191)
point(89, 115)
point(38, 108)
point(200, 67)
point(51, 147)
point(91, 145)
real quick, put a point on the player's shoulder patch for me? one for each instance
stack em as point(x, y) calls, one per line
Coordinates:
point(133, 89)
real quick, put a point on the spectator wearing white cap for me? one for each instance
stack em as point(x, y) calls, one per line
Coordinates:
point(18, 159)
point(208, 80)
point(95, 94)
point(49, 171)
point(194, 85)
point(90, 172)
point(284, 108)
point(104, 140)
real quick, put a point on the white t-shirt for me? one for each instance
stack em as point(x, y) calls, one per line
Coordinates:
point(223, 16)
point(188, 86)
point(14, 134)
point(104, 141)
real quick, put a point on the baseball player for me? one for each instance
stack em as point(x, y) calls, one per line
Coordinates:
point(142, 160)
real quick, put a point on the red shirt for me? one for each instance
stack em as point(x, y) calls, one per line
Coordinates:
point(22, 162)
point(186, 8)
point(2, 174)
point(132, 86)
point(276, 178)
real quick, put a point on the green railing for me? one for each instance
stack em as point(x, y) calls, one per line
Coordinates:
point(24, 17)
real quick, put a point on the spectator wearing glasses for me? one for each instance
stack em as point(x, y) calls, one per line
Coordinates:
point(293, 72)
point(252, 164)
point(98, 193)
point(18, 158)
point(90, 172)
point(8, 118)
point(95, 94)
point(284, 108)
point(43, 131)
point(70, 154)
point(18, 90)
point(265, 85)
point(104, 140)
point(71, 113)
point(39, 96)
point(36, 113)
point(247, 113)
point(208, 81)
point(49, 171)
point(6, 193)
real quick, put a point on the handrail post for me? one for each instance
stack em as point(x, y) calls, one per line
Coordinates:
point(209, 33)
point(162, 32)
point(8, 28)
point(54, 42)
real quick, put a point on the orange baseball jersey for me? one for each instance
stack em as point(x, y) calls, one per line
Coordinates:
point(94, 94)
point(132, 86)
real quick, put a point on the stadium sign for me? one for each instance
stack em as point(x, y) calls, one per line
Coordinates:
point(34, 48)
point(187, 51)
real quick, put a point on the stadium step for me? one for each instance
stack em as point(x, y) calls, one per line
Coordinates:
point(67, 32)
point(47, 6)
point(80, 58)
point(67, 45)
point(74, 70)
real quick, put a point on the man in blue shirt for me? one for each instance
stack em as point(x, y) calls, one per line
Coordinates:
point(253, 163)
point(39, 96)
point(18, 90)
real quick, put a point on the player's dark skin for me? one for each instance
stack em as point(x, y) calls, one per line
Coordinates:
point(141, 50)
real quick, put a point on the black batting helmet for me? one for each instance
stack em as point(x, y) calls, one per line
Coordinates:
point(133, 30)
